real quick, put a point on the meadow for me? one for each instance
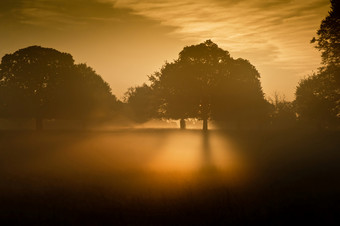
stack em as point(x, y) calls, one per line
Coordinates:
point(169, 177)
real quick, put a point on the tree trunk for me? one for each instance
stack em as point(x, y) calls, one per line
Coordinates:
point(39, 124)
point(205, 124)
point(182, 123)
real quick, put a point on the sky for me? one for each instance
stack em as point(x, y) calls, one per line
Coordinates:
point(124, 41)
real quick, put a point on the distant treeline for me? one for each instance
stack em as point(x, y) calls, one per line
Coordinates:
point(205, 83)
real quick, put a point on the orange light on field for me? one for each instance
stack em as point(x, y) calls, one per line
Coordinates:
point(193, 151)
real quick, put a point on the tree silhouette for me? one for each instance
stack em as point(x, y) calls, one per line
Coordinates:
point(239, 98)
point(188, 83)
point(32, 76)
point(206, 83)
point(283, 114)
point(176, 88)
point(87, 96)
point(142, 103)
point(328, 36)
point(43, 83)
point(318, 96)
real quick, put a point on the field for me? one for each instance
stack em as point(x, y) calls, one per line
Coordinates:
point(168, 176)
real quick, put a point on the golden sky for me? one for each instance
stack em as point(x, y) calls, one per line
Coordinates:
point(126, 40)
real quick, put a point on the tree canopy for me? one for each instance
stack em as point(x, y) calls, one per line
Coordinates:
point(43, 83)
point(206, 83)
point(318, 96)
point(328, 36)
point(142, 103)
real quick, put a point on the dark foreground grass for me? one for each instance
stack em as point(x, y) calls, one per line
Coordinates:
point(293, 178)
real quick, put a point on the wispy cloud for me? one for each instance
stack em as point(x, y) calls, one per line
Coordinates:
point(272, 32)
point(43, 17)
point(59, 13)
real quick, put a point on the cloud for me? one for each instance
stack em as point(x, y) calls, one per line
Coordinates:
point(122, 47)
point(241, 26)
point(238, 26)
point(59, 12)
point(273, 34)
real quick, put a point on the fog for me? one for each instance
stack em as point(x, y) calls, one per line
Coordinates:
point(151, 175)
point(124, 159)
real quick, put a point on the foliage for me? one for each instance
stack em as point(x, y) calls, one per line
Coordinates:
point(43, 83)
point(328, 36)
point(33, 77)
point(142, 103)
point(283, 112)
point(89, 96)
point(318, 96)
point(239, 95)
point(206, 83)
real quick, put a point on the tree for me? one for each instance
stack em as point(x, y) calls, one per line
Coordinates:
point(328, 36)
point(186, 84)
point(204, 83)
point(176, 86)
point(32, 76)
point(318, 96)
point(87, 96)
point(239, 99)
point(283, 114)
point(142, 103)
point(43, 83)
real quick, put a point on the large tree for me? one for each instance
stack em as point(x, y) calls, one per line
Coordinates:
point(318, 96)
point(43, 83)
point(187, 84)
point(32, 76)
point(328, 36)
point(206, 83)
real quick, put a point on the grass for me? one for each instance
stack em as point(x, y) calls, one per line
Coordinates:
point(95, 178)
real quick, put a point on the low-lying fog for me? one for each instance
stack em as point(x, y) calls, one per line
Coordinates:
point(138, 160)
point(127, 160)
point(130, 175)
